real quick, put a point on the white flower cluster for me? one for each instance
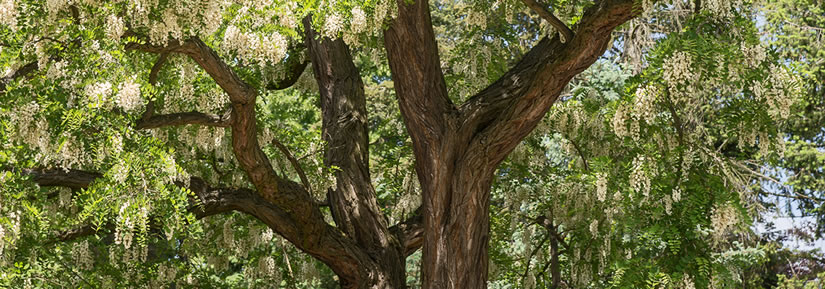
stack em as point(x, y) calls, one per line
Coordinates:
point(167, 274)
point(114, 27)
point(128, 96)
point(83, 256)
point(72, 153)
point(639, 180)
point(594, 228)
point(687, 282)
point(721, 8)
point(32, 130)
point(124, 230)
point(722, 219)
point(677, 69)
point(54, 6)
point(645, 109)
point(333, 24)
point(266, 266)
point(228, 233)
point(358, 24)
point(601, 187)
point(8, 13)
point(754, 55)
point(778, 92)
point(266, 48)
point(619, 119)
point(97, 94)
point(57, 70)
point(476, 18)
point(287, 17)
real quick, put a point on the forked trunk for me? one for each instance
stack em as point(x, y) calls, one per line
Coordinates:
point(458, 231)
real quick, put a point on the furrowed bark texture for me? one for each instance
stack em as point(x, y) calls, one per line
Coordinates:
point(457, 149)
point(353, 201)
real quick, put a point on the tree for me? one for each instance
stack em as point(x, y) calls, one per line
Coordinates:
point(144, 189)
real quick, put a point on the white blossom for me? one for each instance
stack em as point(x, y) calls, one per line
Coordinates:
point(8, 13)
point(639, 180)
point(601, 187)
point(358, 23)
point(722, 219)
point(98, 93)
point(619, 119)
point(594, 228)
point(333, 25)
point(128, 96)
point(83, 256)
point(677, 69)
point(114, 27)
point(645, 109)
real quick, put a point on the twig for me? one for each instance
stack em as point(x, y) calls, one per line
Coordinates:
point(552, 19)
point(295, 164)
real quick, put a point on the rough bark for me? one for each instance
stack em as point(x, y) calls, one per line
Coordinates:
point(353, 201)
point(458, 149)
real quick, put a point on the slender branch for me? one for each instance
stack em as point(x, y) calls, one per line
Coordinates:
point(533, 253)
point(545, 13)
point(295, 164)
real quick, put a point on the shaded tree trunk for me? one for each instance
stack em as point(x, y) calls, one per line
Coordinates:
point(353, 201)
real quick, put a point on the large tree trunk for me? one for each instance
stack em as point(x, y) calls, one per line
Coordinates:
point(457, 148)
point(457, 226)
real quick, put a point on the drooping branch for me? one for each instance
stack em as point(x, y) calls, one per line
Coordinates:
point(545, 13)
point(296, 64)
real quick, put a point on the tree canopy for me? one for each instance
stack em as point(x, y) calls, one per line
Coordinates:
point(423, 144)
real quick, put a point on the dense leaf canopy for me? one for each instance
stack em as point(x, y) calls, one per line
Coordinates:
point(301, 144)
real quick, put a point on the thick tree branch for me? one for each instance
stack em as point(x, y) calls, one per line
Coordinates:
point(183, 118)
point(412, 54)
point(506, 111)
point(542, 10)
point(353, 201)
point(75, 179)
point(411, 232)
